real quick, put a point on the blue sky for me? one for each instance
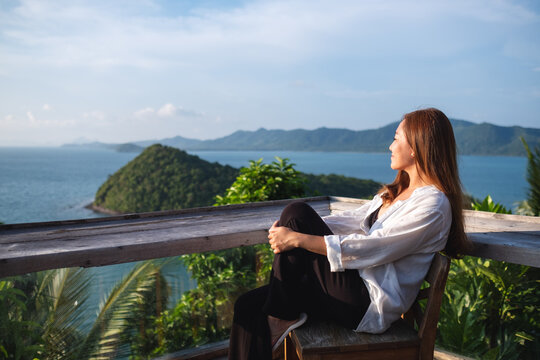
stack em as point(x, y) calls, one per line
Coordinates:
point(119, 71)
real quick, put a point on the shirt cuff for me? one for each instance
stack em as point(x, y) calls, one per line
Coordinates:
point(333, 252)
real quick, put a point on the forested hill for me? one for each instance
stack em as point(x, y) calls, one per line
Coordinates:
point(472, 139)
point(165, 178)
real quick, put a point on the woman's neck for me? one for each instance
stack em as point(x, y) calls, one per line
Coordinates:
point(417, 179)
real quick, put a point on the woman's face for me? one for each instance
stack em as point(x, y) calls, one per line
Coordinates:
point(402, 158)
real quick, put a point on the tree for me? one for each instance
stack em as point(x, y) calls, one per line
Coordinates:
point(261, 182)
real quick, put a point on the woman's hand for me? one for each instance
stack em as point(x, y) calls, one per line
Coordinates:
point(281, 238)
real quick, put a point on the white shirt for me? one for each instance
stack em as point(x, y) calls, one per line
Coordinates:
point(394, 255)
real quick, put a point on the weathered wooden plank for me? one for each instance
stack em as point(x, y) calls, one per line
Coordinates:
point(518, 248)
point(95, 242)
point(339, 204)
point(32, 247)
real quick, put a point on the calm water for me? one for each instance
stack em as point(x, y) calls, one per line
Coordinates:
point(45, 184)
point(501, 177)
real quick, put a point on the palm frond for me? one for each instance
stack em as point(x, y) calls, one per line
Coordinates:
point(105, 337)
point(66, 292)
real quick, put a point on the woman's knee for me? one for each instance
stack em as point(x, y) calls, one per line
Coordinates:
point(301, 217)
point(295, 210)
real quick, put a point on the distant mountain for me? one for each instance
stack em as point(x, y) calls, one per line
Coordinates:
point(127, 147)
point(177, 142)
point(471, 138)
point(321, 139)
point(489, 139)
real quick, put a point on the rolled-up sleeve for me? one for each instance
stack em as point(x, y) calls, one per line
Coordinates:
point(333, 252)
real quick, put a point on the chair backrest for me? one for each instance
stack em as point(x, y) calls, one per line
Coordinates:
point(427, 320)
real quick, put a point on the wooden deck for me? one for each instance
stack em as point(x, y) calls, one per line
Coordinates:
point(33, 247)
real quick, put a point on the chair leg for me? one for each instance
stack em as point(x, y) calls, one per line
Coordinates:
point(290, 351)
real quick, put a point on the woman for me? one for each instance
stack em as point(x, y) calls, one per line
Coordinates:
point(362, 268)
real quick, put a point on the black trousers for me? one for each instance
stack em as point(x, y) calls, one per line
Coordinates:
point(301, 281)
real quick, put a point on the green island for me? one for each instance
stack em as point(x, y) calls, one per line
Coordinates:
point(489, 310)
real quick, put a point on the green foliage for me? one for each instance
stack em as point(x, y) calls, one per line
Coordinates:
point(490, 310)
point(490, 307)
point(45, 315)
point(204, 314)
point(163, 178)
point(533, 178)
point(524, 208)
point(19, 333)
point(488, 205)
point(260, 182)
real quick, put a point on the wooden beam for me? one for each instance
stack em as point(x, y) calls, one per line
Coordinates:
point(511, 238)
point(26, 248)
point(30, 247)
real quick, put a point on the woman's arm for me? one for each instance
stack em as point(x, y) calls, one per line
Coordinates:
point(282, 238)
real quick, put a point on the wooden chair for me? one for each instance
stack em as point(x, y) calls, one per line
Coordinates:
point(401, 341)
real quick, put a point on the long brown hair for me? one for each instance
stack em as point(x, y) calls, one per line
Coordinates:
point(430, 135)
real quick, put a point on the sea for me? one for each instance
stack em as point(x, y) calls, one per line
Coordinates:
point(46, 184)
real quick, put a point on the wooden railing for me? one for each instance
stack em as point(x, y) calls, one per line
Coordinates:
point(31, 247)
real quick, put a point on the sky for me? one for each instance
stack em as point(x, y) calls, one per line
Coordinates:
point(120, 71)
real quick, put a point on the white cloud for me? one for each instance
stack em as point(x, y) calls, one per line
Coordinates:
point(103, 34)
point(47, 107)
point(167, 110)
point(144, 113)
